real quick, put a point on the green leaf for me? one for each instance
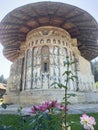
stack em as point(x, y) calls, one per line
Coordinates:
point(72, 62)
point(71, 78)
point(54, 83)
point(71, 95)
point(74, 76)
point(66, 63)
point(68, 103)
point(60, 85)
point(67, 72)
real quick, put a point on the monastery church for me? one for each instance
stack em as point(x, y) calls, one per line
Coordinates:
point(37, 38)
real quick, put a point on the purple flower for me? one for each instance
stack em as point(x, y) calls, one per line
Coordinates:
point(47, 106)
point(54, 103)
point(42, 107)
point(33, 110)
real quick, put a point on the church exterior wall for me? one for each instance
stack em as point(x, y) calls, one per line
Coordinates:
point(86, 79)
point(41, 63)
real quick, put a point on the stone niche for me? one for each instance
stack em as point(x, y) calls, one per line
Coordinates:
point(41, 63)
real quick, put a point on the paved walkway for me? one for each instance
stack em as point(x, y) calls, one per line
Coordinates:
point(83, 108)
point(73, 109)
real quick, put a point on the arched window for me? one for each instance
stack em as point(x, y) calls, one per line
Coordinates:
point(48, 41)
point(66, 43)
point(45, 59)
point(41, 41)
point(32, 43)
point(63, 43)
point(54, 41)
point(29, 44)
point(36, 42)
point(59, 42)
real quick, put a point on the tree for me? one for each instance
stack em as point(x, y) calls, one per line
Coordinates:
point(2, 79)
point(94, 66)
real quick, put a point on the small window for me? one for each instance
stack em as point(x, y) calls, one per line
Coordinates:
point(54, 41)
point(32, 43)
point(66, 43)
point(59, 41)
point(48, 40)
point(41, 41)
point(29, 44)
point(45, 67)
point(63, 43)
point(36, 41)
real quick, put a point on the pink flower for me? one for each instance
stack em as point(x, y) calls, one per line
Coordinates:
point(92, 120)
point(87, 122)
point(60, 107)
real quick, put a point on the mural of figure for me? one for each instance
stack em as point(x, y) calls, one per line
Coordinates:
point(56, 71)
point(28, 73)
point(51, 59)
point(60, 51)
point(51, 50)
point(38, 59)
point(71, 85)
point(56, 50)
point(39, 83)
point(35, 51)
point(51, 76)
point(45, 81)
point(56, 60)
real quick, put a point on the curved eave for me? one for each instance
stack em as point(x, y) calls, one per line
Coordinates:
point(81, 25)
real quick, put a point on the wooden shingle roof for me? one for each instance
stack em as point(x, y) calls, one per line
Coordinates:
point(80, 24)
point(2, 86)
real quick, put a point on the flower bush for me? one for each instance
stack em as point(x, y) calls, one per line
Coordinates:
point(48, 107)
point(47, 116)
point(87, 122)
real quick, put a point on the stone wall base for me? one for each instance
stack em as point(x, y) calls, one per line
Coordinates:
point(39, 96)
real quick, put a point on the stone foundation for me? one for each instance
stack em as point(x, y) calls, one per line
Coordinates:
point(38, 96)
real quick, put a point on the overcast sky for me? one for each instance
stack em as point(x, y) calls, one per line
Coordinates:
point(91, 6)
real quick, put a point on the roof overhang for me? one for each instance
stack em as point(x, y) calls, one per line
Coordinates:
point(80, 24)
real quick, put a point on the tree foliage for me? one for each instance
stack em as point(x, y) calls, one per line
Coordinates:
point(2, 79)
point(94, 66)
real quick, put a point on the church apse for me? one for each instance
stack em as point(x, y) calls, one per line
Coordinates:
point(41, 63)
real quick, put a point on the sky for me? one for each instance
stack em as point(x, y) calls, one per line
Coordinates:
point(91, 6)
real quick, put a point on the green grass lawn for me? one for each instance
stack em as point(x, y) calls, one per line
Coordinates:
point(14, 120)
point(76, 119)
